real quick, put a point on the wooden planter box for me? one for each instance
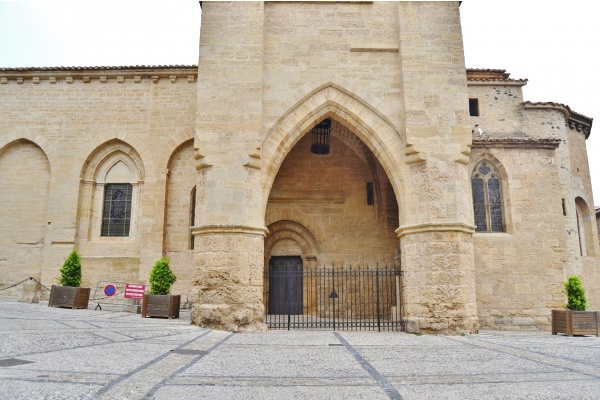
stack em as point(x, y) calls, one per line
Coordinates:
point(576, 322)
point(159, 305)
point(69, 297)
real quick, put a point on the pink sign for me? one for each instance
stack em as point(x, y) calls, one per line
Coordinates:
point(134, 291)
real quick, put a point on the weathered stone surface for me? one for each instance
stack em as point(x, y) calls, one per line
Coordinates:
point(222, 177)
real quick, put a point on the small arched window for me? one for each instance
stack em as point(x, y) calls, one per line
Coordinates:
point(487, 198)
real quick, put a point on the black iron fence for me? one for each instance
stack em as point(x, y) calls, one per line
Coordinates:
point(338, 298)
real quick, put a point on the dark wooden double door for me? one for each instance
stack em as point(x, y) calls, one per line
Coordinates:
point(285, 285)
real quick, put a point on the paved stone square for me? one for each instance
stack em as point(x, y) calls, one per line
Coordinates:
point(50, 353)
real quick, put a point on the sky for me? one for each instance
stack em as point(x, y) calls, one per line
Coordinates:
point(553, 43)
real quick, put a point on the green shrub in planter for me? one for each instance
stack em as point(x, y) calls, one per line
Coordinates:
point(68, 293)
point(70, 273)
point(161, 277)
point(575, 292)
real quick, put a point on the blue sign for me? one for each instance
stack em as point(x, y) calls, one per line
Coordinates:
point(110, 290)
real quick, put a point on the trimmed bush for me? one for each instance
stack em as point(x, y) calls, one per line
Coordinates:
point(575, 292)
point(70, 273)
point(161, 277)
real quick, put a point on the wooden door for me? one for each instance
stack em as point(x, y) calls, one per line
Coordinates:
point(285, 285)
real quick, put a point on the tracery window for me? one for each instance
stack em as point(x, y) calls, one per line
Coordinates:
point(116, 212)
point(109, 201)
point(487, 198)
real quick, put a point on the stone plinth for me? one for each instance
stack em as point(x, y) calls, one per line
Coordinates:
point(439, 279)
point(30, 292)
point(229, 278)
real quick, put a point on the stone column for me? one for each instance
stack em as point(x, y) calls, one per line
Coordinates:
point(229, 277)
point(229, 232)
point(436, 231)
point(437, 250)
point(438, 279)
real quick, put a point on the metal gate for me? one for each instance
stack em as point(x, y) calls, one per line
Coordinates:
point(338, 298)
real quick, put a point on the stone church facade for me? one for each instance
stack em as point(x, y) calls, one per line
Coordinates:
point(483, 200)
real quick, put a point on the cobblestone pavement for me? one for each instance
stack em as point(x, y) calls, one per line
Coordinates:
point(51, 353)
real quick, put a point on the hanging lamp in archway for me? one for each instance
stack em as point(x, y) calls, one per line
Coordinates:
point(320, 137)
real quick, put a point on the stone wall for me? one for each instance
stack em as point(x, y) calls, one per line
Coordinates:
point(546, 185)
point(75, 121)
point(391, 76)
point(519, 272)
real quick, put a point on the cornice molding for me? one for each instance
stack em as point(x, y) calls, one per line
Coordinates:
point(102, 74)
point(574, 120)
point(511, 142)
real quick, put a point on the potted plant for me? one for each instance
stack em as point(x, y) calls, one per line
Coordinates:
point(159, 303)
point(574, 320)
point(68, 293)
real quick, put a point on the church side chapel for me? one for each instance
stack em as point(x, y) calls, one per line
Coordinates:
point(324, 161)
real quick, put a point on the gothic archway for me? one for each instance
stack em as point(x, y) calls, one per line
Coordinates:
point(344, 199)
point(385, 141)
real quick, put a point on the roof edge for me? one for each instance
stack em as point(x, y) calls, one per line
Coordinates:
point(99, 68)
point(574, 120)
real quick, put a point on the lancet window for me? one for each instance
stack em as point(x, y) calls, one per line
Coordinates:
point(486, 184)
point(116, 215)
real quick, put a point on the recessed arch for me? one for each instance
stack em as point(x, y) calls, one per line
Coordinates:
point(176, 149)
point(181, 191)
point(331, 101)
point(25, 177)
point(180, 210)
point(45, 146)
point(584, 227)
point(291, 230)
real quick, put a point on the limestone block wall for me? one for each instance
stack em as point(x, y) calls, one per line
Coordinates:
point(519, 272)
point(307, 45)
point(436, 111)
point(579, 167)
point(499, 106)
point(581, 200)
point(71, 116)
point(545, 193)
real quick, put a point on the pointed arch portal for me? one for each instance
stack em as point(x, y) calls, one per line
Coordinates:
point(375, 130)
point(339, 208)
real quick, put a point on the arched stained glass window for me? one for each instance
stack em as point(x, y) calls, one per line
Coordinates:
point(487, 198)
point(116, 215)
